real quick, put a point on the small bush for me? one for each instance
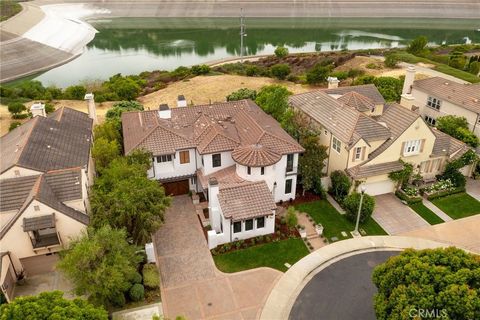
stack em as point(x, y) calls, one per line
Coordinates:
point(200, 69)
point(137, 278)
point(445, 193)
point(14, 125)
point(137, 292)
point(119, 300)
point(291, 219)
point(390, 61)
point(352, 202)
point(150, 276)
point(372, 65)
point(280, 71)
point(243, 93)
point(341, 185)
point(281, 52)
point(49, 108)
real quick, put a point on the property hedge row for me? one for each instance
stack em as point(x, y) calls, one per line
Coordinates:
point(409, 200)
point(445, 193)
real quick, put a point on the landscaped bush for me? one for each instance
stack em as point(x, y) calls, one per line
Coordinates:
point(281, 52)
point(292, 219)
point(137, 278)
point(151, 278)
point(341, 185)
point(390, 61)
point(243, 93)
point(352, 202)
point(200, 69)
point(137, 292)
point(441, 185)
point(14, 125)
point(444, 193)
point(280, 71)
point(409, 199)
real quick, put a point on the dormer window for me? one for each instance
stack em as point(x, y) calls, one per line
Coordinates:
point(434, 103)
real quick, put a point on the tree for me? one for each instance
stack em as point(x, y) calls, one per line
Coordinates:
point(390, 88)
point(109, 130)
point(241, 94)
point(417, 45)
point(351, 204)
point(273, 100)
point(100, 264)
point(340, 185)
point(446, 280)
point(457, 127)
point(124, 197)
point(401, 177)
point(118, 108)
point(311, 163)
point(104, 152)
point(280, 71)
point(51, 305)
point(318, 74)
point(355, 73)
point(474, 67)
point(75, 93)
point(281, 52)
point(16, 108)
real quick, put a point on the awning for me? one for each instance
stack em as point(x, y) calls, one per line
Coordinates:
point(38, 223)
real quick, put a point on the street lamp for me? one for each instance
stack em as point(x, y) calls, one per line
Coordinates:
point(355, 232)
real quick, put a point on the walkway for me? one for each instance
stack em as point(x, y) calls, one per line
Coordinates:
point(312, 237)
point(190, 283)
point(395, 217)
point(335, 204)
point(473, 188)
point(445, 217)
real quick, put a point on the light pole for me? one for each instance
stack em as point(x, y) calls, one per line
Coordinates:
point(355, 232)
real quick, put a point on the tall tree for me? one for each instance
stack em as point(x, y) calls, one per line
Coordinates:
point(273, 100)
point(311, 163)
point(457, 127)
point(51, 305)
point(101, 264)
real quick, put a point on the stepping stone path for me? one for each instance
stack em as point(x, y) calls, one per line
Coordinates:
point(312, 237)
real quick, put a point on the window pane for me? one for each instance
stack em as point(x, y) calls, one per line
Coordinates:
point(260, 222)
point(289, 162)
point(249, 224)
point(262, 171)
point(249, 170)
point(288, 186)
point(216, 160)
point(237, 227)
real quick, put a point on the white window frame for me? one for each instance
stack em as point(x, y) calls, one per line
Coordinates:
point(164, 158)
point(412, 147)
point(430, 120)
point(336, 144)
point(358, 153)
point(434, 103)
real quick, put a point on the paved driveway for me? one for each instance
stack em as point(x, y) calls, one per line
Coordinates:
point(190, 283)
point(473, 188)
point(395, 217)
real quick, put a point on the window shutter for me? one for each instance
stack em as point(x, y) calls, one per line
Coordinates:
point(364, 149)
point(422, 143)
point(403, 148)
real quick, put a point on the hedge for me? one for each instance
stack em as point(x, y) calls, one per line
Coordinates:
point(409, 200)
point(445, 193)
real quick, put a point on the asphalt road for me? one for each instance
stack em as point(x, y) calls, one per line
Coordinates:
point(343, 290)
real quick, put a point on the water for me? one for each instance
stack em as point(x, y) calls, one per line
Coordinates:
point(133, 45)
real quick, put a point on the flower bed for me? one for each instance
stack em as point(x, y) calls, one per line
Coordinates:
point(444, 193)
point(282, 232)
point(442, 188)
point(410, 196)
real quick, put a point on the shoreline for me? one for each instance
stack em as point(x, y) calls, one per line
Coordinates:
point(36, 25)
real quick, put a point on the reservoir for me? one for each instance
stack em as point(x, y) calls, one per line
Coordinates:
point(133, 45)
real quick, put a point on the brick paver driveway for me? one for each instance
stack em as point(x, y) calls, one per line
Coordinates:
point(190, 283)
point(395, 217)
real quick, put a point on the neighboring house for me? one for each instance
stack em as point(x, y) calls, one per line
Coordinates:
point(436, 97)
point(233, 152)
point(367, 144)
point(46, 171)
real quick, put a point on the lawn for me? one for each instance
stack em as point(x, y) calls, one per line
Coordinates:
point(458, 205)
point(426, 213)
point(334, 223)
point(273, 255)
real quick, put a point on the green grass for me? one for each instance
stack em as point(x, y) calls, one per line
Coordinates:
point(334, 223)
point(8, 9)
point(458, 205)
point(426, 213)
point(273, 255)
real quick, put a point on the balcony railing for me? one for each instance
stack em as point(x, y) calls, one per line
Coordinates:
point(291, 170)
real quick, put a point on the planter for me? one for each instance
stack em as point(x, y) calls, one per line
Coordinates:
point(319, 229)
point(303, 233)
point(195, 199)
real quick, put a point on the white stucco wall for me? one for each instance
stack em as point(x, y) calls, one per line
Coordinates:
point(173, 168)
point(23, 172)
point(226, 161)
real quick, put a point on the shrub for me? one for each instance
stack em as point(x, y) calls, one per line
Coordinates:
point(49, 108)
point(75, 93)
point(243, 93)
point(417, 45)
point(281, 52)
point(341, 185)
point(200, 69)
point(181, 72)
point(352, 202)
point(408, 199)
point(340, 75)
point(280, 71)
point(444, 193)
point(137, 292)
point(15, 108)
point(373, 65)
point(150, 276)
point(119, 300)
point(318, 74)
point(252, 71)
point(137, 278)
point(291, 219)
point(474, 67)
point(390, 61)
point(14, 125)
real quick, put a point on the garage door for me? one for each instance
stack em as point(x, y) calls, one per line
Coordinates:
point(380, 187)
point(176, 188)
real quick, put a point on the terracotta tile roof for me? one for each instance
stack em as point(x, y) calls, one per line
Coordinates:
point(344, 122)
point(226, 177)
point(446, 145)
point(246, 201)
point(366, 90)
point(463, 95)
point(209, 128)
point(355, 100)
point(61, 140)
point(255, 155)
point(365, 170)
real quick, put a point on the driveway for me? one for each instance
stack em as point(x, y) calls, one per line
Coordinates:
point(473, 188)
point(191, 285)
point(395, 217)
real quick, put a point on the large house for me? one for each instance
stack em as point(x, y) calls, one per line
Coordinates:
point(367, 138)
point(436, 97)
point(45, 172)
point(235, 154)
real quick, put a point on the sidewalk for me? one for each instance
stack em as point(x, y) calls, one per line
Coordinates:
point(335, 204)
point(445, 217)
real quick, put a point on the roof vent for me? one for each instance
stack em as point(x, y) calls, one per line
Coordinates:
point(181, 101)
point(38, 109)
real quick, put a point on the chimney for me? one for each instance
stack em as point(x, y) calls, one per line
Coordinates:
point(409, 78)
point(38, 109)
point(92, 110)
point(181, 102)
point(332, 82)
point(164, 112)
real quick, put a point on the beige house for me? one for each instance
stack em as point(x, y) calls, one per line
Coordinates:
point(436, 97)
point(46, 170)
point(367, 138)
